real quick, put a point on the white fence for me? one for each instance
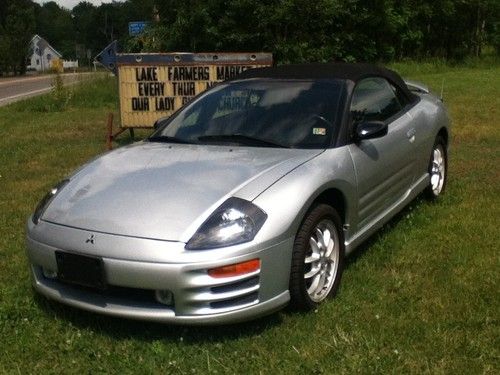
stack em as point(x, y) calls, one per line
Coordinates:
point(69, 64)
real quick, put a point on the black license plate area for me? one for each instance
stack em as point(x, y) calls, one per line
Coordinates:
point(81, 270)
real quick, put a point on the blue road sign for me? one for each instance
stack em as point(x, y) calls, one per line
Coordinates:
point(107, 57)
point(135, 28)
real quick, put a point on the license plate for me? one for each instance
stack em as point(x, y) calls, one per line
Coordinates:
point(80, 269)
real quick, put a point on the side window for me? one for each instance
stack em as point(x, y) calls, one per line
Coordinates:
point(374, 99)
point(403, 100)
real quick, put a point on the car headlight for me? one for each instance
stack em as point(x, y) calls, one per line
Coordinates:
point(42, 206)
point(235, 221)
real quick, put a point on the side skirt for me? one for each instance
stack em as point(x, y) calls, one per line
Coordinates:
point(387, 214)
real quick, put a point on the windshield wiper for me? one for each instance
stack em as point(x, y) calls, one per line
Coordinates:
point(168, 139)
point(241, 138)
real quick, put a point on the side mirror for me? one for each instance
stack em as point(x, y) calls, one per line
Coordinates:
point(371, 129)
point(156, 125)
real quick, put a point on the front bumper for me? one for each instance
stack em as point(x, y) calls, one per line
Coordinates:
point(146, 266)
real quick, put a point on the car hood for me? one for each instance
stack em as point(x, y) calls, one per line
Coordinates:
point(166, 191)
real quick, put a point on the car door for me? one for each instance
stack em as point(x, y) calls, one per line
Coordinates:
point(385, 165)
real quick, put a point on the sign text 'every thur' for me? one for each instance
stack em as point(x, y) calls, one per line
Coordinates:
point(151, 92)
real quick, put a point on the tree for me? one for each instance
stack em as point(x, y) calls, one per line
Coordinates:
point(87, 35)
point(18, 31)
point(294, 30)
point(55, 24)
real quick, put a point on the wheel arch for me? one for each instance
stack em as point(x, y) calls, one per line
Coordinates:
point(443, 133)
point(333, 197)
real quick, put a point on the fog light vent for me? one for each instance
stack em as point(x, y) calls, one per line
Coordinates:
point(164, 297)
point(48, 273)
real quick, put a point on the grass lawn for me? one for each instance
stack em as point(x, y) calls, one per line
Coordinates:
point(421, 296)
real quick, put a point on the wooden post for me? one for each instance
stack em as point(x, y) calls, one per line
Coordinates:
point(109, 136)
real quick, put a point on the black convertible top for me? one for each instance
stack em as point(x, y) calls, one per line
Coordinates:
point(348, 71)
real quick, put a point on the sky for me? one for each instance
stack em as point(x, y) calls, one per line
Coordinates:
point(69, 4)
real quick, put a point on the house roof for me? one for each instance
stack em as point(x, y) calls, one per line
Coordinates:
point(36, 36)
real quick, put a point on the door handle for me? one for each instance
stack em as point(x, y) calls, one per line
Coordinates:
point(411, 135)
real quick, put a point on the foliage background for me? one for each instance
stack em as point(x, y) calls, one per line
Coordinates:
point(294, 30)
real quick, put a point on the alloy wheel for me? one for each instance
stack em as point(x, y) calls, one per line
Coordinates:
point(322, 260)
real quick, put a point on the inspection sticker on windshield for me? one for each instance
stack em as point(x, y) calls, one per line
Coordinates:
point(319, 131)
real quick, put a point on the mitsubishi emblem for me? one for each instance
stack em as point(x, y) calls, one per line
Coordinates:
point(91, 239)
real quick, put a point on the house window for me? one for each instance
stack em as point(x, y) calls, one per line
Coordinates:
point(37, 62)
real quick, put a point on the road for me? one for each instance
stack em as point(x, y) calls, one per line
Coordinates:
point(18, 88)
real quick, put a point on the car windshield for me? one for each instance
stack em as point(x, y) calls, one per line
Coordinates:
point(261, 113)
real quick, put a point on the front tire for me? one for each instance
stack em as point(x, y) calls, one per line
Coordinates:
point(438, 169)
point(318, 258)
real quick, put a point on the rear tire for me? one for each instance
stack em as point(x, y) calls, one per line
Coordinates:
point(438, 169)
point(318, 258)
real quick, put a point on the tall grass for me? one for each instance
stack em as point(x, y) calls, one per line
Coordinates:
point(99, 91)
point(436, 65)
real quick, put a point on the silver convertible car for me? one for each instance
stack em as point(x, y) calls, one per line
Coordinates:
point(247, 199)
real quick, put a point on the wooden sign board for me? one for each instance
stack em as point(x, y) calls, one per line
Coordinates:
point(153, 86)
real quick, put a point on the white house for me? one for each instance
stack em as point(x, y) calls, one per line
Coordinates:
point(42, 53)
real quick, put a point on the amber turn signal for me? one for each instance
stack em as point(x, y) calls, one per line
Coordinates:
point(236, 269)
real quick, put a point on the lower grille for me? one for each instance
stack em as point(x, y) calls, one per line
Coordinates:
point(235, 302)
point(133, 296)
point(233, 295)
point(254, 281)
